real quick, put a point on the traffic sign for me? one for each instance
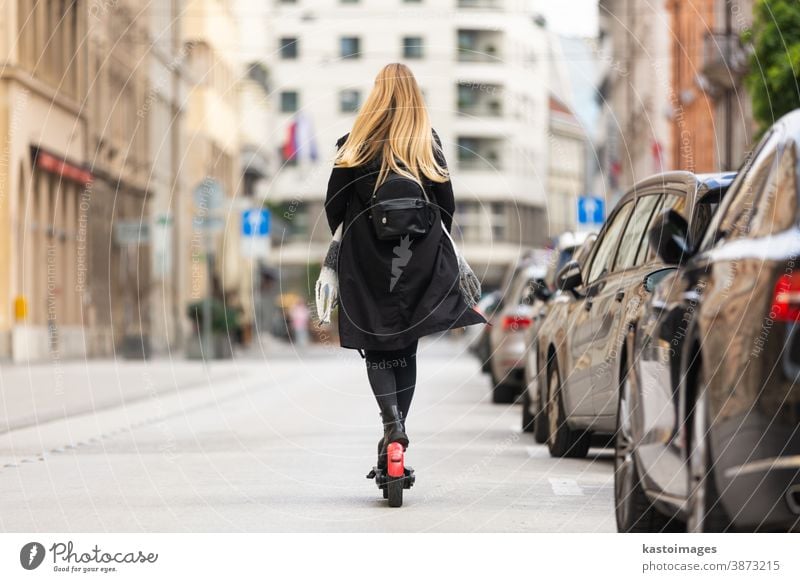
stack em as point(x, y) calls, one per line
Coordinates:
point(255, 222)
point(591, 210)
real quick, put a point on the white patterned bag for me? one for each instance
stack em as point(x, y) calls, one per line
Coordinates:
point(468, 283)
point(327, 287)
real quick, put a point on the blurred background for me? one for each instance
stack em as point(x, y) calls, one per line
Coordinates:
point(163, 164)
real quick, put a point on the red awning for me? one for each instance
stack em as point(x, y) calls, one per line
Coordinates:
point(55, 165)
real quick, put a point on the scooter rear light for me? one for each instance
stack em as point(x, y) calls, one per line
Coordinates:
point(786, 298)
point(516, 322)
point(394, 458)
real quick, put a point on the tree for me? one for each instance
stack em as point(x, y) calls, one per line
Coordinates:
point(774, 76)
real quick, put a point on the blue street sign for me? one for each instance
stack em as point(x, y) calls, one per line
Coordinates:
point(255, 222)
point(591, 210)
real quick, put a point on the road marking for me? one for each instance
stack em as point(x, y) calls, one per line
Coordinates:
point(565, 487)
point(538, 451)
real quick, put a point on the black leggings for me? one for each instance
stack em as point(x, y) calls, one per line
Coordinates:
point(393, 376)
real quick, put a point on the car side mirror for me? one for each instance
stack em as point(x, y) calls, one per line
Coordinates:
point(569, 277)
point(652, 280)
point(669, 238)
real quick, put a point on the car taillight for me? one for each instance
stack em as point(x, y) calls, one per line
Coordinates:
point(786, 298)
point(515, 322)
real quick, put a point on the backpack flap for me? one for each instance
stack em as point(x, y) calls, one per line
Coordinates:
point(400, 208)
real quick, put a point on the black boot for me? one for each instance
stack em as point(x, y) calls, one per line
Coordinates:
point(394, 431)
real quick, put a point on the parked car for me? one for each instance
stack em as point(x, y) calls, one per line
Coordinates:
point(478, 338)
point(527, 294)
point(569, 246)
point(583, 362)
point(710, 415)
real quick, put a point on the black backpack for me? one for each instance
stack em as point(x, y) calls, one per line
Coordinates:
point(400, 207)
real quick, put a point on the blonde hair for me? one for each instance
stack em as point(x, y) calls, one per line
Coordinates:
point(394, 122)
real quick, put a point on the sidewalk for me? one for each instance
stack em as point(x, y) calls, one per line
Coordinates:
point(36, 393)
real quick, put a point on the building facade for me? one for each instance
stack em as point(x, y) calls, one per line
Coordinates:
point(164, 113)
point(566, 172)
point(635, 92)
point(44, 180)
point(212, 152)
point(120, 272)
point(480, 66)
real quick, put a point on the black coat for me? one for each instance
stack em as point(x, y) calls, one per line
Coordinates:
point(379, 309)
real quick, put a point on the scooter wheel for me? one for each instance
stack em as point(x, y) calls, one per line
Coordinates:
point(394, 492)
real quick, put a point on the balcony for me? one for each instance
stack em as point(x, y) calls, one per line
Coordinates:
point(479, 153)
point(724, 60)
point(479, 46)
point(480, 100)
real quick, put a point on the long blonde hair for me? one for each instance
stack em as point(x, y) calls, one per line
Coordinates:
point(394, 122)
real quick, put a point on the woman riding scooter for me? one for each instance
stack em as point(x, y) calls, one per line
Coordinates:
point(398, 273)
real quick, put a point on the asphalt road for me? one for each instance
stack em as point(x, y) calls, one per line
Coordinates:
point(280, 444)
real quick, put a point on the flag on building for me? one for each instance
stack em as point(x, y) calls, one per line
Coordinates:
point(301, 143)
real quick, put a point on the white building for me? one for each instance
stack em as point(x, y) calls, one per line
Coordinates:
point(483, 69)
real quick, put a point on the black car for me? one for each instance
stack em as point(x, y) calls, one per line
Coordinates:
point(710, 413)
point(582, 356)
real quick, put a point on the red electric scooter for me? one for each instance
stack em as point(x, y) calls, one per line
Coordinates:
point(395, 477)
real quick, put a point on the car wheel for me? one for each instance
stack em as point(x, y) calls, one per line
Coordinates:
point(562, 441)
point(541, 428)
point(502, 392)
point(528, 420)
point(633, 509)
point(704, 509)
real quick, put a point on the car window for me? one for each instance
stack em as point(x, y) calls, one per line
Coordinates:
point(667, 202)
point(776, 209)
point(737, 208)
point(604, 256)
point(703, 214)
point(632, 237)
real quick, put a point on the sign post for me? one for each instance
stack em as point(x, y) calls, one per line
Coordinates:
point(256, 245)
point(208, 197)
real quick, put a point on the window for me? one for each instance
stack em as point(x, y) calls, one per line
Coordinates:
point(289, 47)
point(468, 220)
point(604, 256)
point(637, 226)
point(738, 205)
point(412, 47)
point(777, 206)
point(467, 96)
point(468, 150)
point(666, 202)
point(766, 201)
point(289, 101)
point(498, 221)
point(349, 100)
point(350, 47)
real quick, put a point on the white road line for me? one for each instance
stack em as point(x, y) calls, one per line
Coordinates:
point(565, 487)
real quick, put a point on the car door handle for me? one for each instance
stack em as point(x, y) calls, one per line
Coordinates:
point(620, 295)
